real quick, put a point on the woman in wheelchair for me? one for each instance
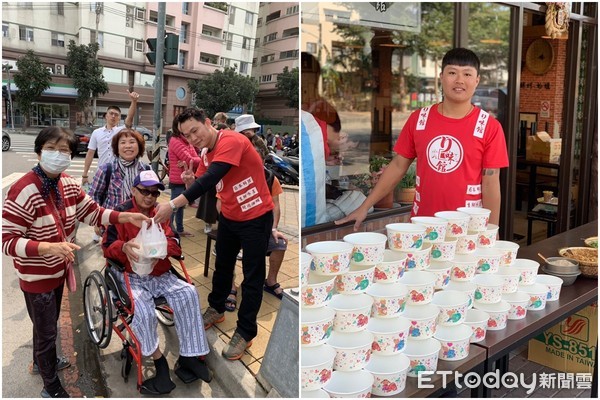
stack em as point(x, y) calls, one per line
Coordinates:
point(119, 245)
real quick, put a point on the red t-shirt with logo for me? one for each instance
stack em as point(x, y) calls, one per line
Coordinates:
point(451, 155)
point(243, 191)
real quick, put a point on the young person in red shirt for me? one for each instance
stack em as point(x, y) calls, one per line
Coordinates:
point(232, 165)
point(38, 230)
point(460, 149)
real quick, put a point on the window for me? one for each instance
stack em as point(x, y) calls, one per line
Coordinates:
point(182, 59)
point(288, 54)
point(100, 39)
point(232, 16)
point(266, 78)
point(225, 62)
point(273, 16)
point(259, 22)
point(139, 45)
point(254, 61)
point(57, 9)
point(128, 51)
point(183, 35)
point(267, 58)
point(142, 79)
point(26, 33)
point(170, 21)
point(246, 43)
point(5, 30)
point(270, 37)
point(58, 39)
point(311, 47)
point(153, 17)
point(140, 14)
point(209, 58)
point(185, 8)
point(218, 5)
point(229, 40)
point(48, 114)
point(257, 42)
point(208, 30)
point(292, 10)
point(96, 7)
point(290, 32)
point(249, 18)
point(243, 67)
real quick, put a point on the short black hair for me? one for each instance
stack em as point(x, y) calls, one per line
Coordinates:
point(112, 108)
point(461, 57)
point(192, 113)
point(55, 134)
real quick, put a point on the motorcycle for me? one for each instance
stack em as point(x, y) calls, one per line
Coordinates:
point(283, 169)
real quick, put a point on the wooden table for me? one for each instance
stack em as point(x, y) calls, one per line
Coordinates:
point(573, 298)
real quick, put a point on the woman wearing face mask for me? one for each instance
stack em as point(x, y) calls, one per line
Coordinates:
point(113, 180)
point(38, 231)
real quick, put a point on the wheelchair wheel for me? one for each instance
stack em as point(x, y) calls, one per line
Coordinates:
point(97, 310)
point(164, 313)
point(126, 361)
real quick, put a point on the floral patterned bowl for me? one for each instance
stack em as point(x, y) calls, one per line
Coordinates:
point(316, 325)
point(498, 314)
point(423, 356)
point(458, 222)
point(477, 320)
point(418, 259)
point(538, 295)
point(463, 268)
point(420, 286)
point(519, 301)
point(305, 261)
point(390, 374)
point(444, 251)
point(391, 268)
point(351, 312)
point(422, 321)
point(389, 299)
point(356, 280)
point(509, 251)
point(442, 271)
point(511, 277)
point(368, 247)
point(467, 244)
point(320, 291)
point(488, 260)
point(479, 217)
point(468, 288)
point(528, 269)
point(316, 366)
point(330, 257)
point(435, 228)
point(314, 394)
point(455, 341)
point(453, 307)
point(554, 284)
point(405, 236)
point(389, 335)
point(489, 288)
point(354, 384)
point(487, 238)
point(353, 350)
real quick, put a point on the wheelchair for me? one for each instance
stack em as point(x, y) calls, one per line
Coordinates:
point(107, 307)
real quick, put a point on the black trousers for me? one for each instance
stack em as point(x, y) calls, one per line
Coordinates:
point(44, 309)
point(253, 238)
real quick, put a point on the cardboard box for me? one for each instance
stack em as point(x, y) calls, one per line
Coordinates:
point(569, 346)
point(542, 148)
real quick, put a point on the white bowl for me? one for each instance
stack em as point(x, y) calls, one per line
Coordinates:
point(422, 320)
point(435, 228)
point(489, 288)
point(538, 295)
point(316, 365)
point(463, 268)
point(519, 301)
point(458, 222)
point(423, 355)
point(389, 334)
point(405, 236)
point(350, 384)
point(305, 261)
point(528, 269)
point(356, 280)
point(314, 394)
point(444, 251)
point(353, 349)
point(455, 341)
point(389, 299)
point(330, 257)
point(352, 312)
point(453, 307)
point(554, 284)
point(420, 286)
point(391, 268)
point(319, 291)
point(488, 260)
point(511, 277)
point(477, 320)
point(509, 251)
point(316, 325)
point(417, 260)
point(390, 374)
point(487, 238)
point(442, 271)
point(467, 244)
point(498, 314)
point(368, 247)
point(479, 217)
point(468, 288)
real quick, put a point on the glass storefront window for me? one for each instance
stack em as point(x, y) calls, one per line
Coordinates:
point(44, 114)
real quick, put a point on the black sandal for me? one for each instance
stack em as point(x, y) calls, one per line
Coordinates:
point(231, 302)
point(272, 289)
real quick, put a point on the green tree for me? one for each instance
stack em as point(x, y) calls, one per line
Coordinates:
point(223, 90)
point(32, 78)
point(287, 87)
point(86, 72)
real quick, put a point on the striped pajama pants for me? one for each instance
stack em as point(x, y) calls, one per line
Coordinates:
point(182, 298)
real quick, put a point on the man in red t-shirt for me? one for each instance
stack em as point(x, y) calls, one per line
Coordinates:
point(230, 163)
point(460, 149)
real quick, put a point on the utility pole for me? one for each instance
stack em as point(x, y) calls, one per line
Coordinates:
point(158, 83)
point(98, 12)
point(7, 68)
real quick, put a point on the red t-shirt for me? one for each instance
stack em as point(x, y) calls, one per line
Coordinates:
point(452, 154)
point(243, 191)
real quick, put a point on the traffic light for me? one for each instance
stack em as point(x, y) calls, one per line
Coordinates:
point(5, 92)
point(171, 51)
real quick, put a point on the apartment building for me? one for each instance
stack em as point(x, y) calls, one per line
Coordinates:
point(277, 44)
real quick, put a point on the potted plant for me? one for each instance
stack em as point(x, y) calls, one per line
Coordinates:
point(377, 165)
point(405, 190)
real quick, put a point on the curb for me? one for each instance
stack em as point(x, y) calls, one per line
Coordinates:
point(232, 375)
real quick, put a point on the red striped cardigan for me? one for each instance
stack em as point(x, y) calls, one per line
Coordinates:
point(27, 220)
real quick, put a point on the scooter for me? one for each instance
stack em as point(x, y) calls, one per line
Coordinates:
point(282, 169)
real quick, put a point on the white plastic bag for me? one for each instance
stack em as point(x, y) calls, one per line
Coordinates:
point(143, 266)
point(153, 240)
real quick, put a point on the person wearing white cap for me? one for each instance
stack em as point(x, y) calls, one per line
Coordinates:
point(245, 125)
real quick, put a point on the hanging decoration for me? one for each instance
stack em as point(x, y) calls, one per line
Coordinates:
point(557, 19)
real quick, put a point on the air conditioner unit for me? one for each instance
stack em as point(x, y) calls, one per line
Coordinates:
point(49, 69)
point(127, 42)
point(139, 14)
point(128, 19)
point(129, 10)
point(128, 25)
point(59, 69)
point(139, 45)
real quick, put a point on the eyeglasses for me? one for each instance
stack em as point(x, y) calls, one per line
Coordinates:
point(113, 114)
point(146, 192)
point(63, 150)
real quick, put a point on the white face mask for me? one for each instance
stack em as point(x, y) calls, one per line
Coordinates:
point(55, 162)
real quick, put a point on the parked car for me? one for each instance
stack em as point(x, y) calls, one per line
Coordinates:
point(5, 141)
point(84, 134)
point(146, 133)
